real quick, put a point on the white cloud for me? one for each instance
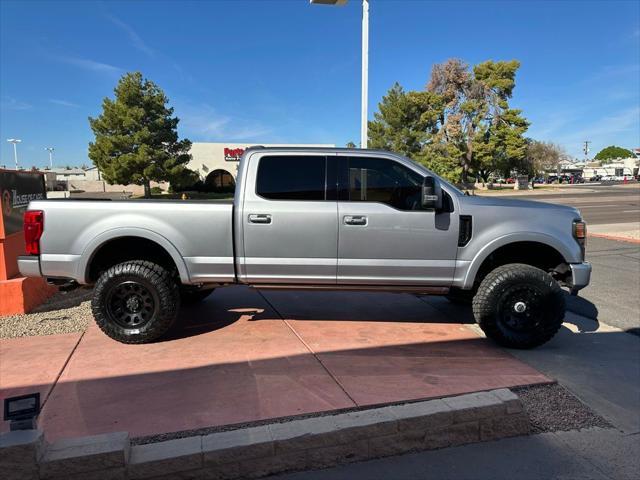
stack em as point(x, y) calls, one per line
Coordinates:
point(10, 103)
point(205, 123)
point(606, 130)
point(609, 72)
point(63, 103)
point(136, 40)
point(91, 65)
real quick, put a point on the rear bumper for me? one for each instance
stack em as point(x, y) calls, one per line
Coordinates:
point(29, 266)
point(580, 276)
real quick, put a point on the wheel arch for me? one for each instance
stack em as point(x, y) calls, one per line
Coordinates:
point(140, 243)
point(540, 250)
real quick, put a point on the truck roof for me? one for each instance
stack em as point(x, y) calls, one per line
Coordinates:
point(318, 149)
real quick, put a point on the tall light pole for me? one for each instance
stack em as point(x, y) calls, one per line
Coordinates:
point(50, 150)
point(585, 149)
point(365, 64)
point(15, 142)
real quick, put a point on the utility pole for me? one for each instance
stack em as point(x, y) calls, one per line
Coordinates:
point(50, 150)
point(365, 74)
point(365, 64)
point(585, 149)
point(15, 142)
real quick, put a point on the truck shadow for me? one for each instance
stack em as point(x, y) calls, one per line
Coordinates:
point(224, 307)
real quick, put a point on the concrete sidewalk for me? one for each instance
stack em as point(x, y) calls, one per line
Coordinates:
point(244, 356)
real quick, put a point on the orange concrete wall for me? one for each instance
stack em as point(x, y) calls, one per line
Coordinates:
point(23, 294)
point(10, 248)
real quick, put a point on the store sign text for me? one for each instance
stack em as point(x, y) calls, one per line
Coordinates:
point(233, 154)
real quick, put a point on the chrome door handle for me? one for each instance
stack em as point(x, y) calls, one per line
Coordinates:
point(355, 220)
point(259, 218)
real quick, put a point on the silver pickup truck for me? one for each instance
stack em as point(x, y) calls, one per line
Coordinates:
point(306, 218)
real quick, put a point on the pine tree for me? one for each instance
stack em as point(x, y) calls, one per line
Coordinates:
point(136, 138)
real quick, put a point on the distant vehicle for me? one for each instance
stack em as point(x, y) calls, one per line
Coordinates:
point(595, 178)
point(609, 178)
point(577, 179)
point(341, 219)
point(510, 180)
point(538, 180)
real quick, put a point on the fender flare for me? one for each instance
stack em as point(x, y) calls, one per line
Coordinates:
point(504, 240)
point(100, 240)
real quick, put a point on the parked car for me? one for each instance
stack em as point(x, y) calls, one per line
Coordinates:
point(314, 218)
point(552, 179)
point(595, 178)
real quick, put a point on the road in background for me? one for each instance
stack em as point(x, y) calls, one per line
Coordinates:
point(613, 295)
point(599, 204)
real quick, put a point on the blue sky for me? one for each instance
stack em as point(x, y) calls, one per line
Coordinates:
point(286, 71)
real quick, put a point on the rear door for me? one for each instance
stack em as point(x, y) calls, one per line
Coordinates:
point(290, 219)
point(385, 236)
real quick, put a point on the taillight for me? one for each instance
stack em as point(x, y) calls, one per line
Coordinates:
point(580, 234)
point(33, 228)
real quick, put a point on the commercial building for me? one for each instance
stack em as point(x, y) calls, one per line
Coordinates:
point(616, 168)
point(217, 163)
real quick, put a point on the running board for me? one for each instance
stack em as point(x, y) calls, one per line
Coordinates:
point(423, 289)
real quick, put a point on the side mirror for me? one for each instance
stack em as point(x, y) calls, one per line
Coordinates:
point(431, 193)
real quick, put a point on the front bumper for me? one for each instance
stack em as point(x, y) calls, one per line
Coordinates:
point(29, 266)
point(580, 276)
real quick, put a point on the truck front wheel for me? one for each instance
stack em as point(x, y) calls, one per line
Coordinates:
point(519, 306)
point(135, 302)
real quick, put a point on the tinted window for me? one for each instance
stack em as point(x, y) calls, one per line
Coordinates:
point(291, 178)
point(384, 181)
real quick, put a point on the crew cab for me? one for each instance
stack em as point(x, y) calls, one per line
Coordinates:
point(316, 218)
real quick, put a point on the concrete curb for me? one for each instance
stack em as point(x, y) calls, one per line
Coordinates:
point(617, 238)
point(254, 452)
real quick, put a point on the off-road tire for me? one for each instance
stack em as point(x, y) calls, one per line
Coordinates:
point(494, 306)
point(190, 296)
point(160, 287)
point(461, 297)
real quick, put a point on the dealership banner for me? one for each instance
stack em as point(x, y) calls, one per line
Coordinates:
point(17, 189)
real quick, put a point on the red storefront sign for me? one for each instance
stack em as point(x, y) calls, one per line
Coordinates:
point(233, 154)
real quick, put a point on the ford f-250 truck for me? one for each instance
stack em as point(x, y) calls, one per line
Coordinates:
point(306, 218)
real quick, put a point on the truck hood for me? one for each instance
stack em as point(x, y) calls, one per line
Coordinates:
point(497, 202)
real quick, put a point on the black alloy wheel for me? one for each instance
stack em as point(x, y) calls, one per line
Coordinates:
point(136, 301)
point(131, 304)
point(519, 306)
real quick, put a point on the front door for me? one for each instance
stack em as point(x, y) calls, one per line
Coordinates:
point(290, 221)
point(385, 237)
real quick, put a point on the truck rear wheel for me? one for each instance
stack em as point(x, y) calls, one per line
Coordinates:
point(135, 302)
point(519, 306)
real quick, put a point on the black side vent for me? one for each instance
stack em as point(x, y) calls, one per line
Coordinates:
point(465, 230)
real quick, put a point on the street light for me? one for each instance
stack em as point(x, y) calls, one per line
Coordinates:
point(50, 150)
point(365, 63)
point(15, 142)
